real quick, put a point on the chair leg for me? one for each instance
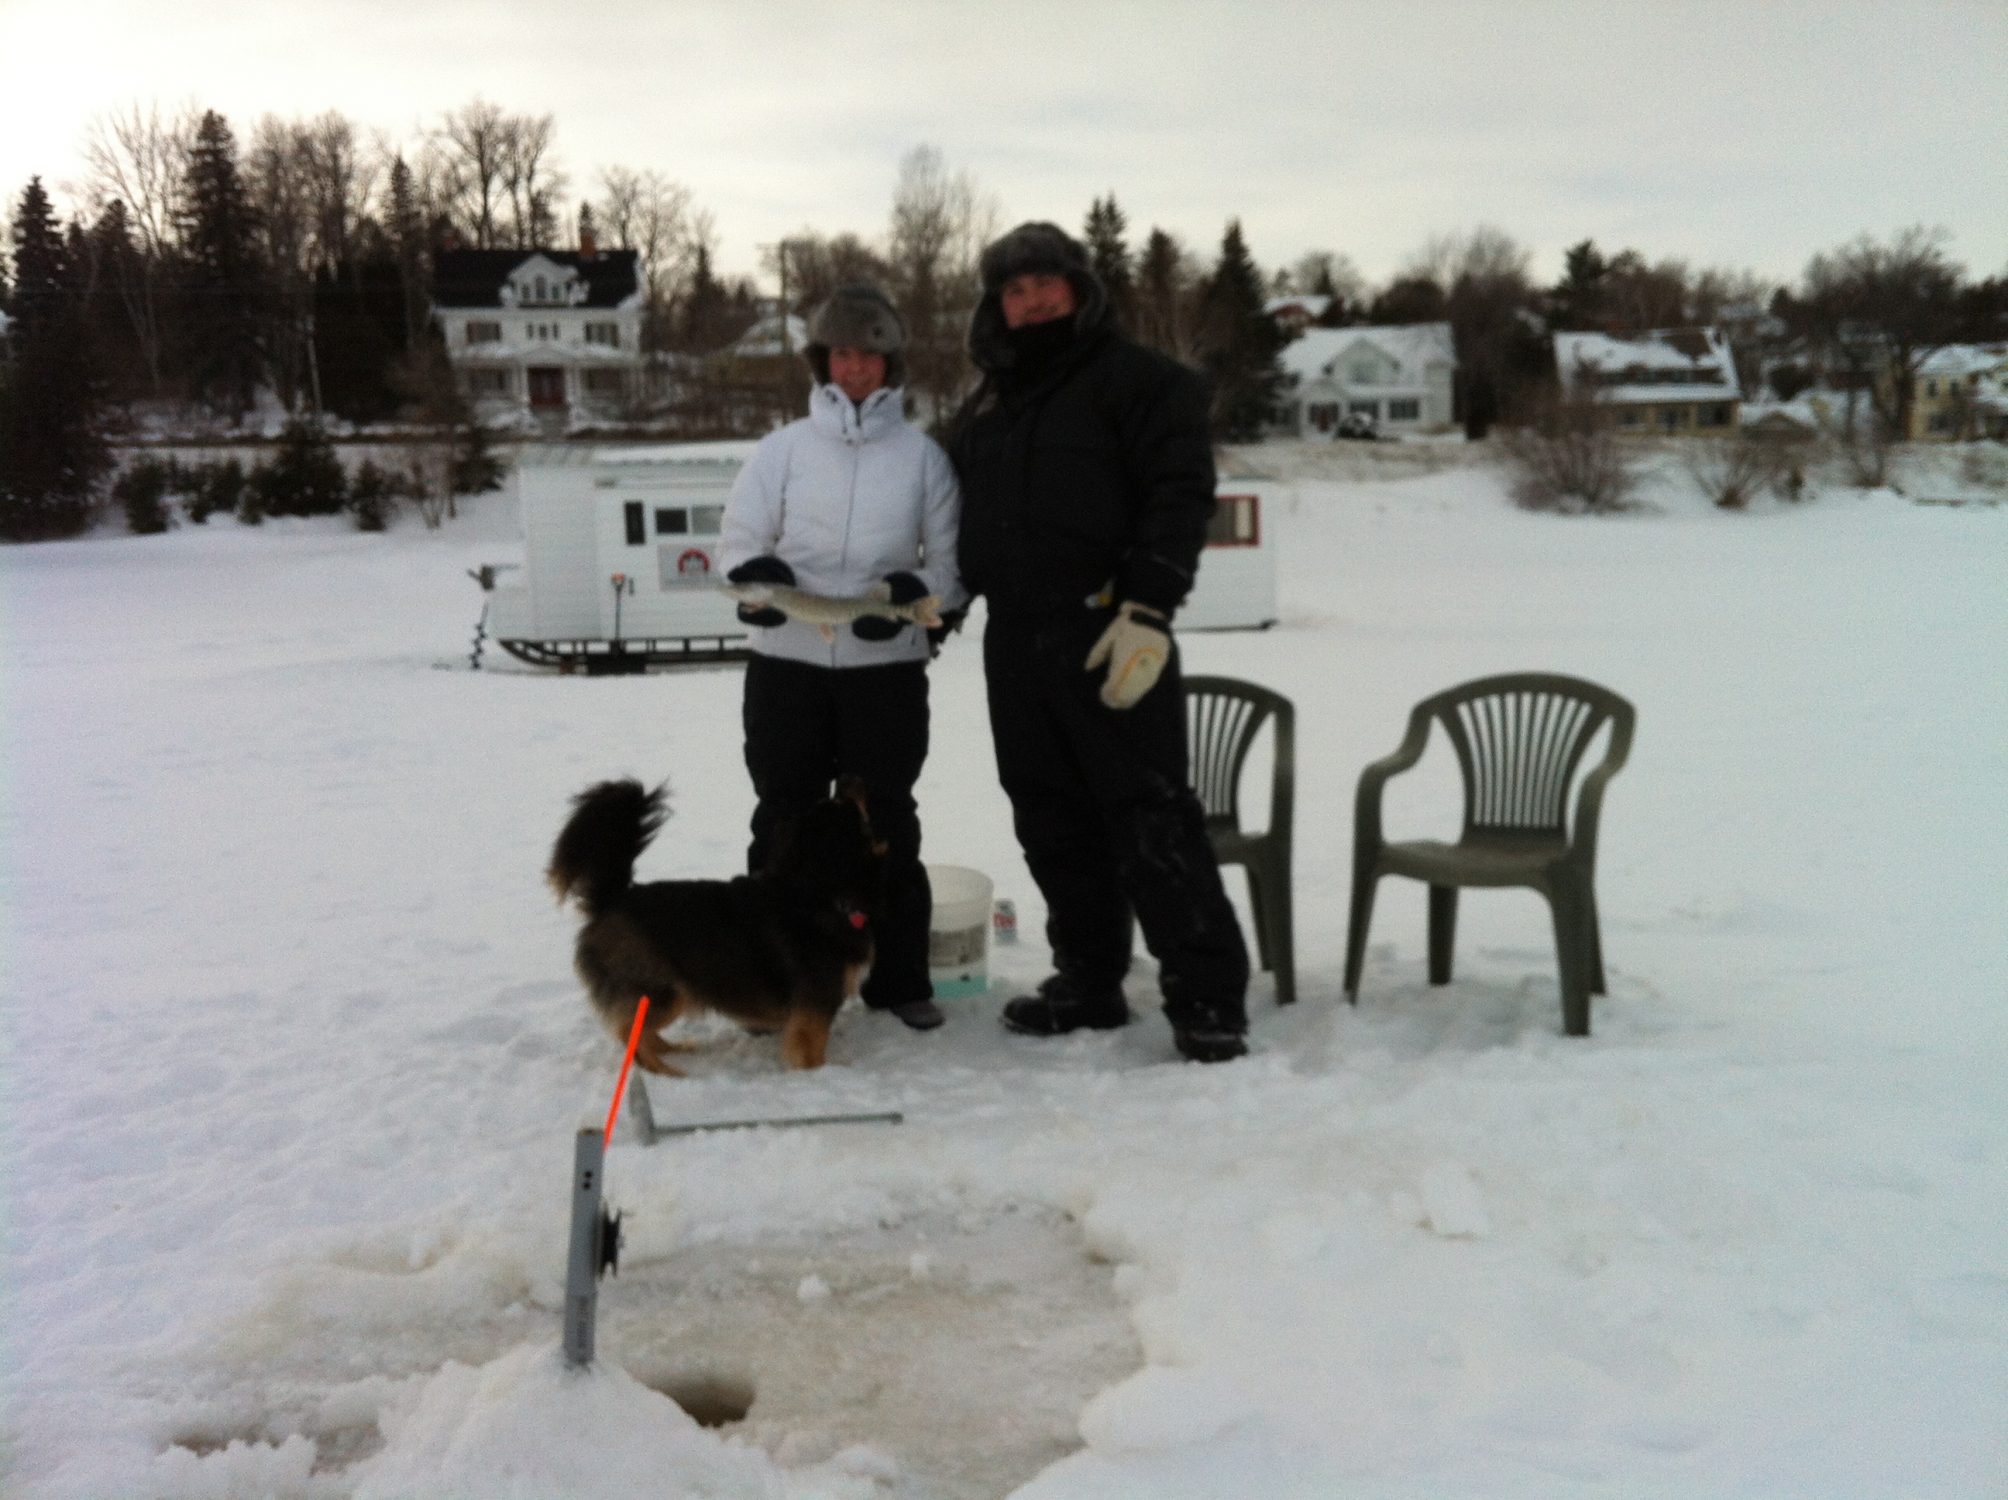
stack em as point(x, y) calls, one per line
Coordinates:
point(1281, 939)
point(1442, 931)
point(1258, 908)
point(1572, 958)
point(1596, 945)
point(1362, 917)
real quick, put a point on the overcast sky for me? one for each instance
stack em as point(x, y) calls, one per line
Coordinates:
point(1737, 133)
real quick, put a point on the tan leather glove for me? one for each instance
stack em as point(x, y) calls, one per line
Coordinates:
point(1135, 646)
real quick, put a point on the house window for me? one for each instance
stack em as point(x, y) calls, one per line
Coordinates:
point(1324, 415)
point(1629, 416)
point(1236, 522)
point(484, 333)
point(487, 382)
point(1404, 409)
point(637, 531)
point(1365, 408)
point(1931, 388)
point(1362, 374)
point(1713, 416)
point(604, 333)
point(1670, 418)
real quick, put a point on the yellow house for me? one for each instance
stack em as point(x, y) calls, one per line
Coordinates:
point(1961, 392)
point(1672, 381)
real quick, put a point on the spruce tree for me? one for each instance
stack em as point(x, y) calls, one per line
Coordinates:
point(1239, 343)
point(225, 287)
point(53, 452)
point(1110, 258)
point(1160, 295)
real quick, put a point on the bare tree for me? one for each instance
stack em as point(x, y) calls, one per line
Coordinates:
point(530, 176)
point(136, 158)
point(475, 145)
point(1882, 311)
point(939, 224)
point(651, 214)
point(1487, 303)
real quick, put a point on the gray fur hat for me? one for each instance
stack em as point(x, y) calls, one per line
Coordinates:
point(857, 317)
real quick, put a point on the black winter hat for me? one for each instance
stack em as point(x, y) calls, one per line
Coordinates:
point(1033, 249)
point(857, 317)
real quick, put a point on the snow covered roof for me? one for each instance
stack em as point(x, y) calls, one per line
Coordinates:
point(1960, 360)
point(1665, 364)
point(763, 339)
point(475, 278)
point(1414, 347)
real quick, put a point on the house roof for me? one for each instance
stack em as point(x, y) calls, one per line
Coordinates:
point(1414, 347)
point(763, 339)
point(474, 278)
point(1959, 360)
point(1313, 304)
point(1662, 364)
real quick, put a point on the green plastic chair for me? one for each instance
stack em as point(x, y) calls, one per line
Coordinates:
point(1223, 718)
point(1519, 741)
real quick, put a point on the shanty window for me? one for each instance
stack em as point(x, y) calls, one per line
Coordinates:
point(1236, 522)
point(637, 532)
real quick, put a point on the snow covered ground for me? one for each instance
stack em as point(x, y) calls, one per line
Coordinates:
point(294, 1059)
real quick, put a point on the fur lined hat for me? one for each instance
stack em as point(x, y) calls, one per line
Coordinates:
point(857, 317)
point(1035, 248)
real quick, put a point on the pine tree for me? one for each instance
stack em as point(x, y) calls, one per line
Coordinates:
point(1160, 295)
point(1239, 343)
point(53, 452)
point(225, 287)
point(407, 237)
point(1576, 301)
point(1110, 258)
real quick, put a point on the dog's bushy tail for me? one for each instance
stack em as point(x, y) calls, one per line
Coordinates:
point(593, 860)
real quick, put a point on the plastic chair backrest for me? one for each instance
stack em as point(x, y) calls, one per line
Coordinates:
point(1223, 717)
point(1519, 739)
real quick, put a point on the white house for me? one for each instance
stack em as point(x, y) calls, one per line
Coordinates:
point(1670, 380)
point(548, 331)
point(1400, 377)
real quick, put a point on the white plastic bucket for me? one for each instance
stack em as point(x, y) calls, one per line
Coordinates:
point(958, 935)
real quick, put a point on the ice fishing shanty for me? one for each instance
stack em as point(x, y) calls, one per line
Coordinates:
point(621, 559)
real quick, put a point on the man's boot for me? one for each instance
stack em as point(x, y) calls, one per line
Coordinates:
point(1061, 1006)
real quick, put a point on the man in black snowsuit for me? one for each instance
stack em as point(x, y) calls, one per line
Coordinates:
point(1087, 483)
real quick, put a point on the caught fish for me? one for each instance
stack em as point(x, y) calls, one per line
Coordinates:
point(826, 613)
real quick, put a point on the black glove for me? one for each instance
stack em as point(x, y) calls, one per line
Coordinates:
point(766, 568)
point(906, 588)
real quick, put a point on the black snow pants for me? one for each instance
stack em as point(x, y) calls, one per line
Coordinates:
point(806, 726)
point(1108, 821)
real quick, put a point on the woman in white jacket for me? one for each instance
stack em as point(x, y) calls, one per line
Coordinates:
point(834, 503)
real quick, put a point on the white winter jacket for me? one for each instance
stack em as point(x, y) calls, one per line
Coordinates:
point(845, 496)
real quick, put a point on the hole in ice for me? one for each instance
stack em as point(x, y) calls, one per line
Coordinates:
point(712, 1399)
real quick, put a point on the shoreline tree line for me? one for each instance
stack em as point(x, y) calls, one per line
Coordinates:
point(198, 272)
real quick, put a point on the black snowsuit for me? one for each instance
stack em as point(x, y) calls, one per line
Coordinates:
point(1094, 468)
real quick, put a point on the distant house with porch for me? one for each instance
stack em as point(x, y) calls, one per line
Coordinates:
point(1400, 377)
point(544, 331)
point(1671, 381)
point(1961, 391)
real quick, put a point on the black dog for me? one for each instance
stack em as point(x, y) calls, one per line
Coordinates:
point(779, 950)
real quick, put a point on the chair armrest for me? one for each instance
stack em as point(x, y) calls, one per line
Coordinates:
point(1367, 804)
point(1590, 796)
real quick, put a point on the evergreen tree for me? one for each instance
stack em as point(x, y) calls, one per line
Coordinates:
point(1239, 343)
point(1110, 258)
point(1576, 301)
point(52, 443)
point(407, 235)
point(225, 287)
point(1161, 295)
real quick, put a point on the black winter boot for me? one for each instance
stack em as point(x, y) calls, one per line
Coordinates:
point(1209, 1046)
point(1059, 1007)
